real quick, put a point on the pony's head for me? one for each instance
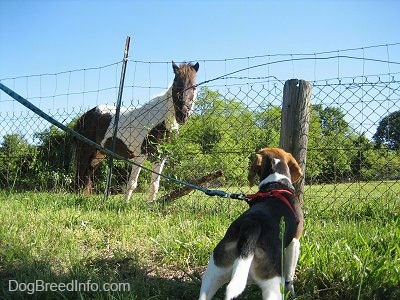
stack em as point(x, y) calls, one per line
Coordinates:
point(184, 90)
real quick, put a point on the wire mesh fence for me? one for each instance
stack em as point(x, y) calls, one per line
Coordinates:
point(353, 149)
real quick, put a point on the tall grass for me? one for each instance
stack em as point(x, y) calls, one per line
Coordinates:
point(348, 251)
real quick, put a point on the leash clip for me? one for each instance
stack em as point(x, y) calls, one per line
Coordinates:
point(218, 193)
point(223, 194)
point(238, 196)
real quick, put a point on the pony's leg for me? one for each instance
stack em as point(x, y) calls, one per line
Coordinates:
point(213, 278)
point(155, 179)
point(132, 182)
point(89, 175)
point(84, 155)
point(80, 175)
point(79, 166)
point(292, 253)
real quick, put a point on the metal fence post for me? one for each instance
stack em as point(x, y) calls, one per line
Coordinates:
point(116, 119)
point(295, 124)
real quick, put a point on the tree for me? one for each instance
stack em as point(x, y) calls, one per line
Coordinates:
point(361, 159)
point(388, 131)
point(315, 157)
point(329, 140)
point(332, 120)
point(55, 149)
point(17, 159)
point(269, 124)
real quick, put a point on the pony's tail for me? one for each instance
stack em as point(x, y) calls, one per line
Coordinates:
point(77, 128)
point(248, 237)
point(75, 153)
point(73, 156)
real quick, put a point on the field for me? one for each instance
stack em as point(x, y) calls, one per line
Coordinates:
point(350, 248)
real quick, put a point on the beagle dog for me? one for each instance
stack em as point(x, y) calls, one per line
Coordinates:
point(252, 245)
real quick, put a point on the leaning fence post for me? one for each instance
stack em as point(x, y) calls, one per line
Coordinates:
point(295, 123)
point(116, 119)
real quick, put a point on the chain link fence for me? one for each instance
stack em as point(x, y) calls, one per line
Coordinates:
point(353, 150)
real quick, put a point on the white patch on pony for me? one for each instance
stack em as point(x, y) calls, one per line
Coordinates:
point(110, 109)
point(213, 278)
point(292, 253)
point(240, 273)
point(194, 102)
point(274, 177)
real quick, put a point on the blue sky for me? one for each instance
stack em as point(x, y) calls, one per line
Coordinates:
point(51, 36)
point(41, 36)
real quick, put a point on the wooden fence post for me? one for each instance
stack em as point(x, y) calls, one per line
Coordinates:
point(295, 124)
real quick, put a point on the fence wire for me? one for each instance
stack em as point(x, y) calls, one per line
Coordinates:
point(353, 150)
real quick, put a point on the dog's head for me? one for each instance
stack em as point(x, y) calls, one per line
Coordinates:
point(272, 164)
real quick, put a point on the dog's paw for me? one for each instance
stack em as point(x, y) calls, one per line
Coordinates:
point(290, 288)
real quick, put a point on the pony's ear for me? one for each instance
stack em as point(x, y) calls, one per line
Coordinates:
point(196, 67)
point(295, 170)
point(255, 169)
point(175, 67)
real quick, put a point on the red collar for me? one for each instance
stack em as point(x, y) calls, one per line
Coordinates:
point(273, 194)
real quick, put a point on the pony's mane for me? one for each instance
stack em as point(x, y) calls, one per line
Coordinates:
point(186, 70)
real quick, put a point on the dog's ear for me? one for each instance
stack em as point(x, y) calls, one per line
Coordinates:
point(255, 169)
point(295, 170)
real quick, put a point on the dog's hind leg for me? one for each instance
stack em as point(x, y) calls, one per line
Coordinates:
point(270, 288)
point(248, 237)
point(292, 253)
point(240, 273)
point(213, 279)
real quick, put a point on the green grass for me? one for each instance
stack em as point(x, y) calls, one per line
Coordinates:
point(350, 248)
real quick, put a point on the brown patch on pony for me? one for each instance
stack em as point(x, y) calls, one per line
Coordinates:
point(93, 125)
point(120, 148)
point(157, 135)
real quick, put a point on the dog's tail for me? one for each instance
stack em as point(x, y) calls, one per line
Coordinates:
point(248, 237)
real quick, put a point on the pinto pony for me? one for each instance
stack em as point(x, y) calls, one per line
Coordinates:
point(140, 130)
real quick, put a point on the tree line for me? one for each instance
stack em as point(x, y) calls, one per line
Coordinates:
point(222, 133)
